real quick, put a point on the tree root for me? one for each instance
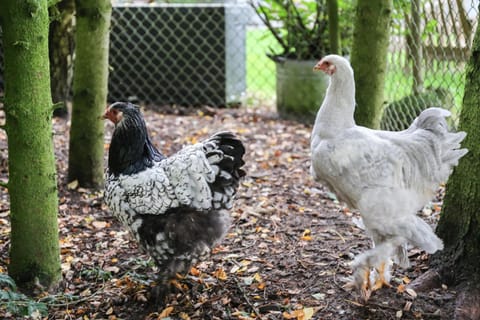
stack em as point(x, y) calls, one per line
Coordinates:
point(427, 281)
point(467, 306)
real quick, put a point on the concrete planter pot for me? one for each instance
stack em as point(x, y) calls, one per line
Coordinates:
point(300, 90)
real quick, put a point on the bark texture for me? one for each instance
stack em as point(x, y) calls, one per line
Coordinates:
point(32, 185)
point(89, 92)
point(459, 225)
point(61, 45)
point(369, 58)
point(333, 27)
point(416, 52)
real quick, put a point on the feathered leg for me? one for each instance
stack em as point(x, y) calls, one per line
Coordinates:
point(373, 258)
point(160, 291)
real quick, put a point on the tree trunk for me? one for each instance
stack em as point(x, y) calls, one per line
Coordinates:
point(416, 47)
point(32, 185)
point(459, 225)
point(369, 58)
point(61, 46)
point(333, 28)
point(89, 92)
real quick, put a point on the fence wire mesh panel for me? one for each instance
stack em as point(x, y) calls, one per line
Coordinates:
point(178, 54)
point(231, 26)
point(429, 48)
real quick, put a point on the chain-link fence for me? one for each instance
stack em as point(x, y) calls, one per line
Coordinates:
point(215, 54)
point(429, 47)
point(430, 41)
point(186, 54)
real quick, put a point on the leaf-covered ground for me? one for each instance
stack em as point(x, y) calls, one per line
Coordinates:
point(285, 256)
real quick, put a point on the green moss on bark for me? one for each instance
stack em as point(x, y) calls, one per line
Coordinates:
point(89, 92)
point(459, 225)
point(333, 27)
point(32, 186)
point(369, 58)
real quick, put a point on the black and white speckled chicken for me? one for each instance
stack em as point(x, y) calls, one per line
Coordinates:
point(176, 207)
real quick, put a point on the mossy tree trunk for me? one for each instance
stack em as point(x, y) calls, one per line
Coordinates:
point(333, 27)
point(32, 185)
point(89, 92)
point(416, 46)
point(61, 46)
point(459, 225)
point(369, 58)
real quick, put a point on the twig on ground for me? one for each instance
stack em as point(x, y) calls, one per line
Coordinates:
point(255, 310)
point(73, 302)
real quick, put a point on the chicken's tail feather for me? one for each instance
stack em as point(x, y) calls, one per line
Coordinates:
point(423, 236)
point(225, 152)
point(433, 120)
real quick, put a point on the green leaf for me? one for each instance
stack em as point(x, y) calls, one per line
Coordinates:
point(6, 280)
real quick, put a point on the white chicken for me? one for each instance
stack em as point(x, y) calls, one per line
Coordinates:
point(387, 176)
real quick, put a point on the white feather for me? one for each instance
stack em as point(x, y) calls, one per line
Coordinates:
point(387, 176)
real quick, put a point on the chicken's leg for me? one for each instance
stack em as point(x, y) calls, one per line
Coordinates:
point(363, 264)
point(383, 275)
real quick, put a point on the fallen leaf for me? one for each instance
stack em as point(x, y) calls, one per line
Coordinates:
point(72, 185)
point(99, 224)
point(85, 293)
point(319, 296)
point(257, 277)
point(220, 274)
point(184, 316)
point(295, 314)
point(301, 314)
point(248, 280)
point(112, 269)
point(308, 313)
point(165, 312)
point(306, 236)
point(411, 292)
point(408, 306)
point(194, 272)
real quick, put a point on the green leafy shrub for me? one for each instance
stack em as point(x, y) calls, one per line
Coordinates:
point(17, 304)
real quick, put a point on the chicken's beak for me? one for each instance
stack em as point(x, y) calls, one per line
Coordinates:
point(318, 66)
point(325, 66)
point(108, 115)
point(105, 114)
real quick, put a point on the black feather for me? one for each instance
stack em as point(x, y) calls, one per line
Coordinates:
point(131, 149)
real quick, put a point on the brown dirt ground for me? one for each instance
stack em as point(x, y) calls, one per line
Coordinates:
point(285, 256)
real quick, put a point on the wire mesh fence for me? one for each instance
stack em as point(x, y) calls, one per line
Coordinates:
point(215, 54)
point(430, 42)
point(429, 47)
point(186, 54)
